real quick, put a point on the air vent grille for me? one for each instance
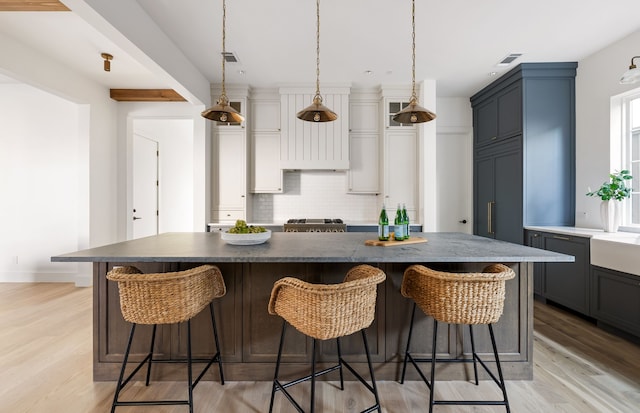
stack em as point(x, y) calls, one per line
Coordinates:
point(230, 57)
point(509, 59)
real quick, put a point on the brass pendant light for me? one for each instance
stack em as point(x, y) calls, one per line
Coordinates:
point(222, 111)
point(632, 75)
point(317, 112)
point(413, 113)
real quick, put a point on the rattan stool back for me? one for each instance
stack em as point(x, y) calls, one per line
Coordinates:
point(458, 298)
point(326, 311)
point(166, 298)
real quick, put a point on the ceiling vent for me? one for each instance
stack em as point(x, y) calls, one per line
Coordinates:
point(230, 57)
point(509, 59)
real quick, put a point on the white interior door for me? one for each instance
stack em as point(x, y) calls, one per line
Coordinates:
point(145, 187)
point(454, 183)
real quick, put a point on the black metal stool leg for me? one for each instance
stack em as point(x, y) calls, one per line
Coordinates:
point(215, 337)
point(373, 379)
point(124, 366)
point(406, 353)
point(275, 376)
point(433, 365)
point(340, 363)
point(502, 384)
point(150, 356)
point(474, 356)
point(313, 376)
point(189, 367)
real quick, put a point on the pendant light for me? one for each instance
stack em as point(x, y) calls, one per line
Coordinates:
point(413, 113)
point(317, 112)
point(222, 111)
point(632, 75)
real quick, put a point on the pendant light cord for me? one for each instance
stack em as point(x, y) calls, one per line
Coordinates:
point(413, 50)
point(318, 48)
point(224, 50)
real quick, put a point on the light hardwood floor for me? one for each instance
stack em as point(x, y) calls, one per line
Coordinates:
point(46, 347)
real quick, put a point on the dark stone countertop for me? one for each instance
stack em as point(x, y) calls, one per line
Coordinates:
point(312, 247)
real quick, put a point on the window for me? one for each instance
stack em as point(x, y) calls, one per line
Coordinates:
point(631, 156)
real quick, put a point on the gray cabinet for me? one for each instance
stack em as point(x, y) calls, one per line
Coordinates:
point(564, 283)
point(615, 299)
point(567, 283)
point(524, 151)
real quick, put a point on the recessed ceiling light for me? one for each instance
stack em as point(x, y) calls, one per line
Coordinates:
point(241, 72)
point(493, 73)
point(368, 72)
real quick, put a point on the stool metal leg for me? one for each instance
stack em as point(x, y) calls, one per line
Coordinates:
point(189, 369)
point(373, 379)
point(313, 376)
point(474, 356)
point(406, 353)
point(124, 365)
point(275, 376)
point(153, 341)
point(340, 363)
point(502, 384)
point(215, 337)
point(433, 365)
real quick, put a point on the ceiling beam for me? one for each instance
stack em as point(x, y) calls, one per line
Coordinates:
point(32, 5)
point(146, 95)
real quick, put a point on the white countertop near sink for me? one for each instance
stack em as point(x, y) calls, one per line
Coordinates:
point(618, 251)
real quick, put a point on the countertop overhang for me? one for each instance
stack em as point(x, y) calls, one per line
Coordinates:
point(312, 247)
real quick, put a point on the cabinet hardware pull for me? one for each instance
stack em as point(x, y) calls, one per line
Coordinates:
point(562, 238)
point(489, 217)
point(494, 138)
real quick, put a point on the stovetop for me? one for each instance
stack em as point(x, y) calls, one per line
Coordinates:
point(315, 221)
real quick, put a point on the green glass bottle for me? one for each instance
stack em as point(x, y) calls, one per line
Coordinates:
point(405, 220)
point(383, 225)
point(398, 228)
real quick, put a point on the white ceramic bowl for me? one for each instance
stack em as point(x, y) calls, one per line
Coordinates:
point(246, 239)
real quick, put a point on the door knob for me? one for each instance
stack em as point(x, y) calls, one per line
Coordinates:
point(134, 218)
point(464, 221)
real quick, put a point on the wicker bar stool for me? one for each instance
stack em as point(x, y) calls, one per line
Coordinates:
point(457, 298)
point(166, 298)
point(323, 312)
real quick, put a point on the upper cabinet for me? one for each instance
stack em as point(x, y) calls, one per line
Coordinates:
point(308, 145)
point(363, 176)
point(266, 169)
point(524, 150)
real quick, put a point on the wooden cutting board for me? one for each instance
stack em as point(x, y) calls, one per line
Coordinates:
point(390, 243)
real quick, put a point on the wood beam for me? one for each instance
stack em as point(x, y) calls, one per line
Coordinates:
point(32, 5)
point(146, 95)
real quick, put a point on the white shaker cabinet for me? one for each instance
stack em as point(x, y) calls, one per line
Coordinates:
point(229, 174)
point(401, 171)
point(363, 176)
point(266, 171)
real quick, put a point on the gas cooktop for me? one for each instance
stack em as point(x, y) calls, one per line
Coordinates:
point(315, 225)
point(315, 221)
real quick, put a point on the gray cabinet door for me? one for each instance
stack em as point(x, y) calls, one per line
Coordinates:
point(567, 283)
point(498, 194)
point(485, 125)
point(615, 299)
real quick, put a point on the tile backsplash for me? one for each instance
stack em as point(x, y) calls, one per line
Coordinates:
point(315, 194)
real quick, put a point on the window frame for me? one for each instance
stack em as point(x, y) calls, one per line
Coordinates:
point(626, 157)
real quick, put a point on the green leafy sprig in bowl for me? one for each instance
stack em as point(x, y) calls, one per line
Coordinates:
point(615, 188)
point(242, 228)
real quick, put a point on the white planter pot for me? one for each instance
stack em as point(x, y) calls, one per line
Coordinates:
point(610, 215)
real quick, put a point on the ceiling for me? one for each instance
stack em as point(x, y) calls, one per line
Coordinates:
point(458, 42)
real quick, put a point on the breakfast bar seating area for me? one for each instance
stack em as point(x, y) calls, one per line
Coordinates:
point(249, 335)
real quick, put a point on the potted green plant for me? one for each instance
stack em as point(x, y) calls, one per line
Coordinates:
point(611, 193)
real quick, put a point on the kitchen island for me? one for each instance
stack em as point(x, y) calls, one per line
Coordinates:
point(249, 335)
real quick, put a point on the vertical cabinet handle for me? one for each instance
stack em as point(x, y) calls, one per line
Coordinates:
point(490, 217)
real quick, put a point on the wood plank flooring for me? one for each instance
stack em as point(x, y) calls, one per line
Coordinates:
point(46, 359)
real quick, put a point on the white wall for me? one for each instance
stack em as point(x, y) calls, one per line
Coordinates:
point(96, 146)
point(596, 82)
point(39, 169)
